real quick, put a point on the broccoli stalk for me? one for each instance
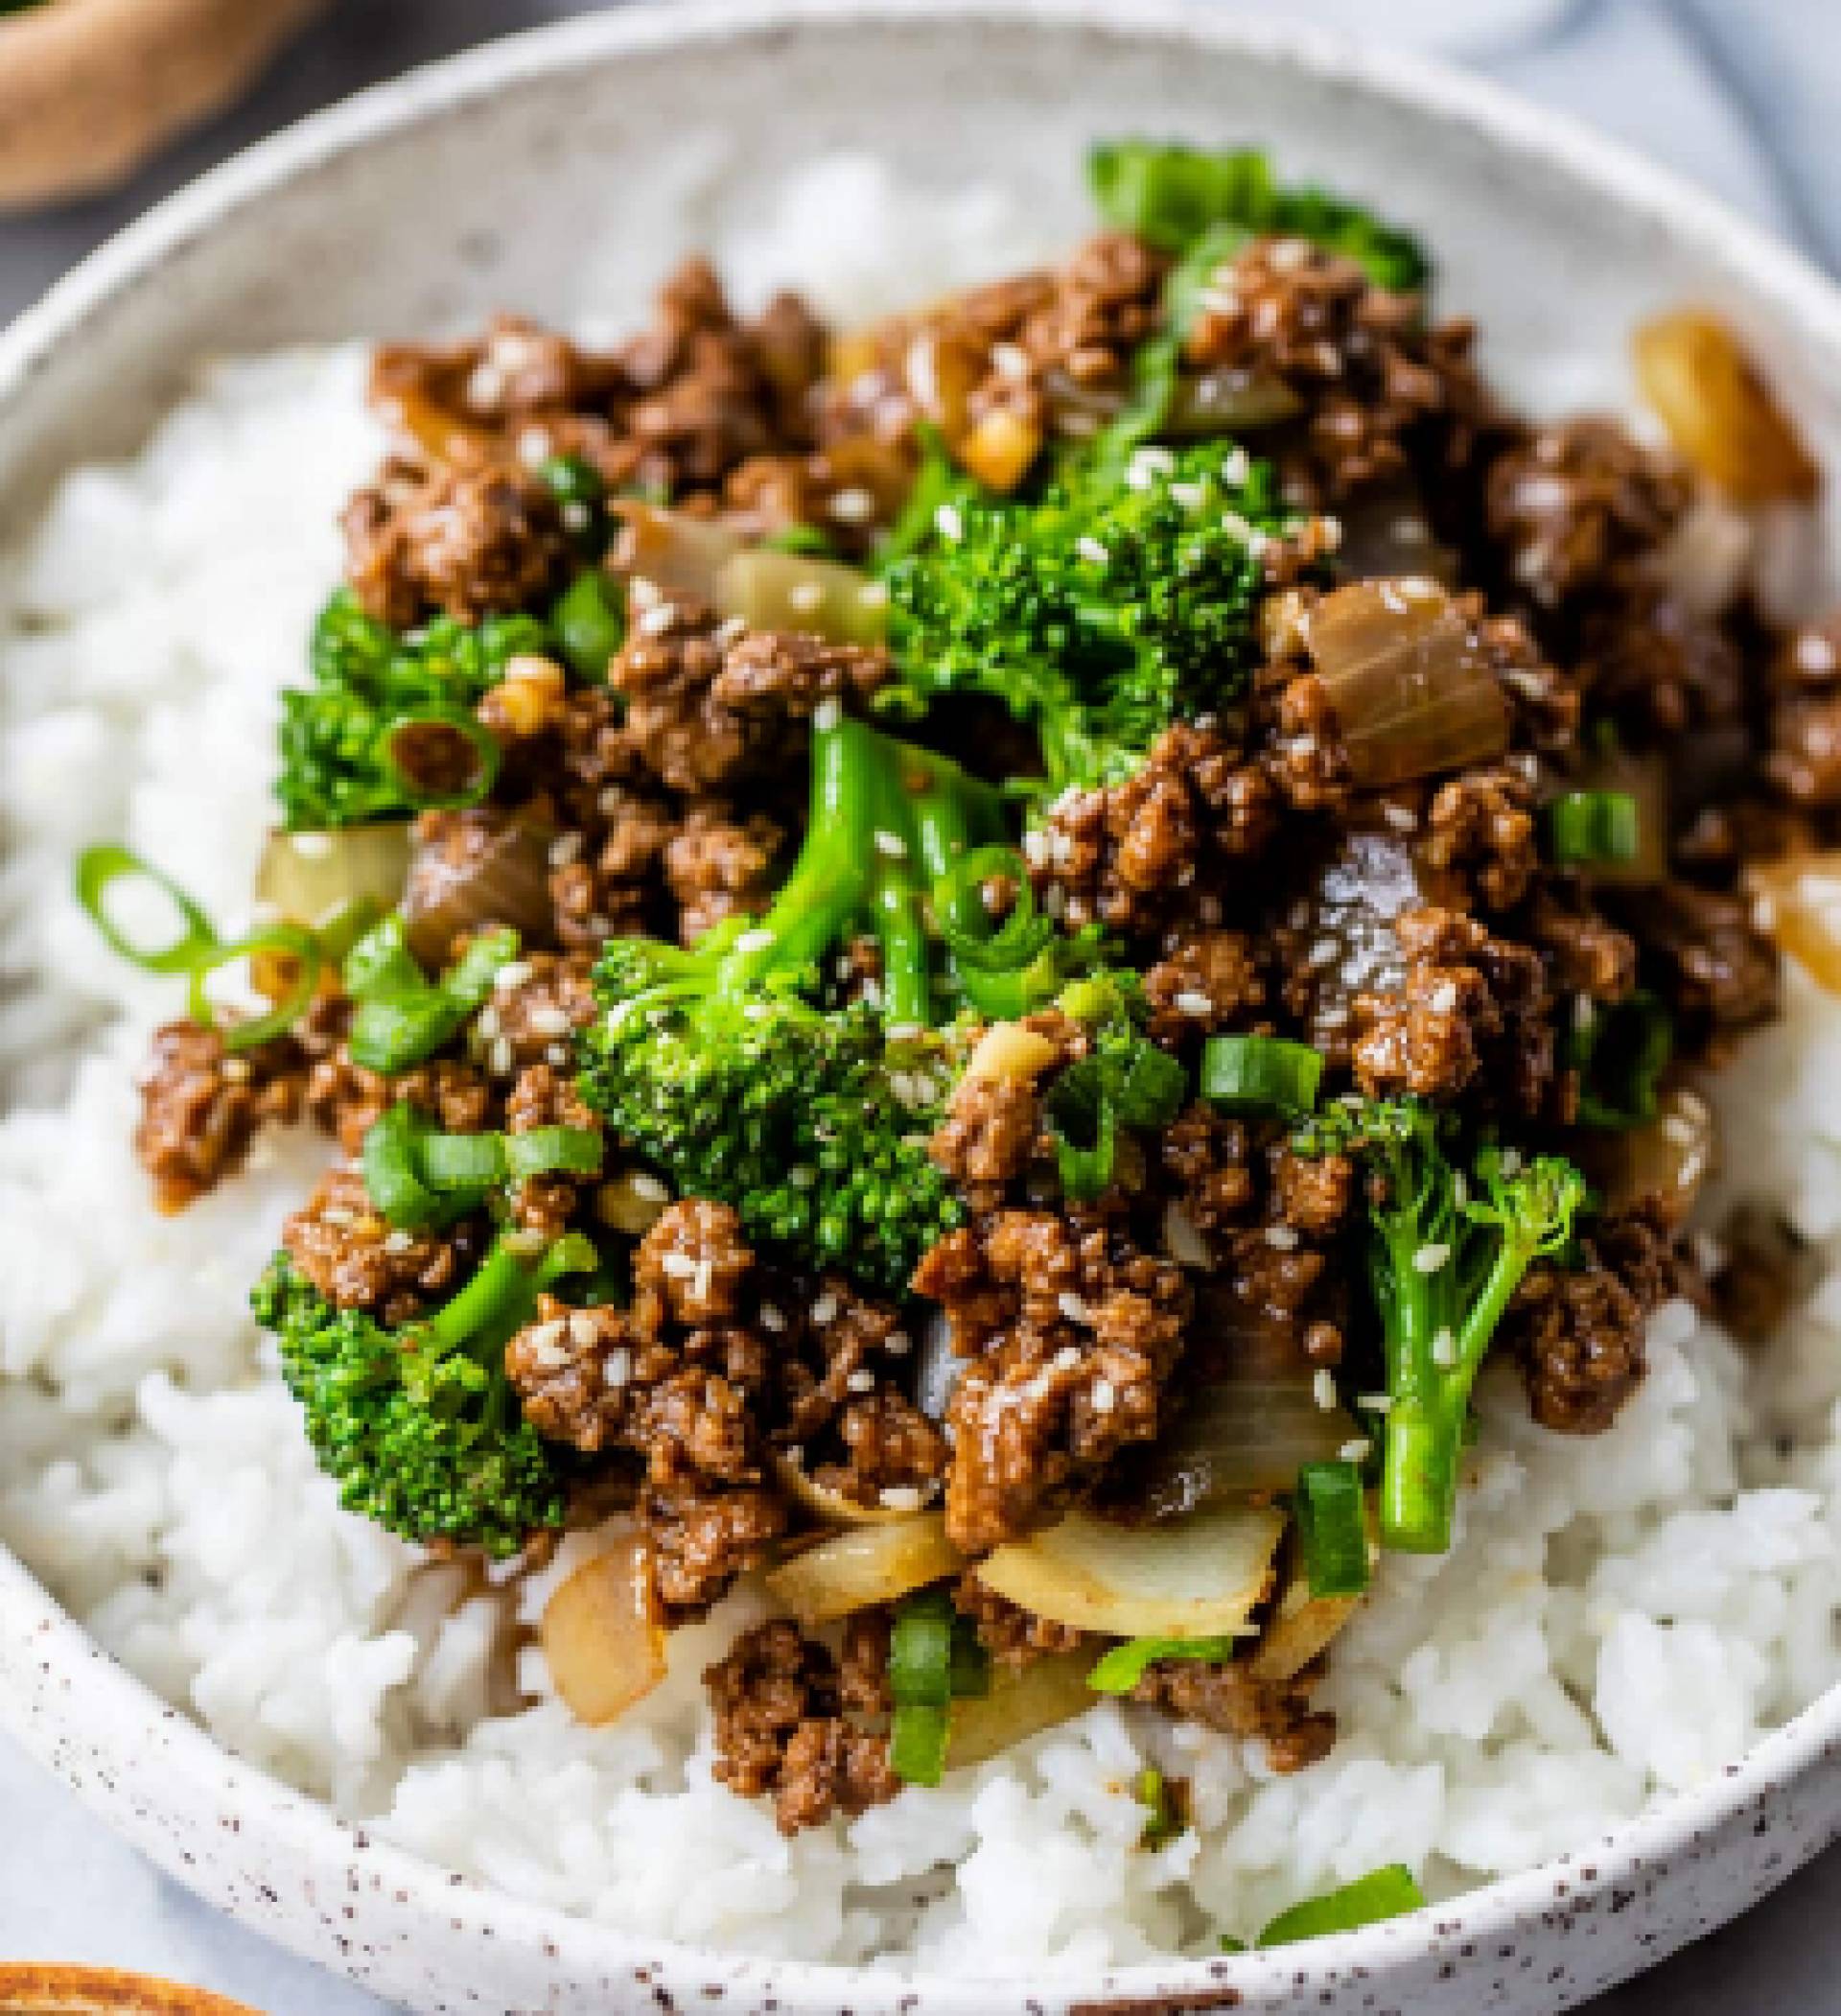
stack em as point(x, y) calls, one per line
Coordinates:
point(721, 1064)
point(1120, 602)
point(419, 1426)
point(1446, 1252)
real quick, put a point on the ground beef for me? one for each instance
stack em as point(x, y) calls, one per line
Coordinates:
point(1229, 1700)
point(1207, 980)
point(357, 1260)
point(704, 1535)
point(1481, 828)
point(544, 1096)
point(1133, 855)
point(1012, 1635)
point(1473, 1010)
point(717, 864)
point(707, 704)
point(789, 1721)
point(1586, 954)
point(203, 1104)
point(470, 541)
point(1579, 1331)
point(1383, 393)
point(1071, 1334)
point(1716, 970)
point(346, 1099)
point(1579, 507)
point(539, 1002)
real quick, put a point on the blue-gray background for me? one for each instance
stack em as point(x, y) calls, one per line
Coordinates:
point(1737, 94)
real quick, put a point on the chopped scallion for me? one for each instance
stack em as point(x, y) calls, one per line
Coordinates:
point(1123, 1666)
point(589, 626)
point(1332, 1525)
point(552, 1151)
point(918, 1736)
point(1260, 1075)
point(1387, 1892)
point(98, 869)
point(1588, 828)
point(422, 755)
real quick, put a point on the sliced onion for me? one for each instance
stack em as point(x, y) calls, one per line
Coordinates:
point(1669, 1159)
point(824, 1502)
point(775, 591)
point(1199, 1577)
point(1800, 901)
point(868, 1565)
point(472, 870)
point(1023, 1702)
point(1708, 561)
point(1238, 1435)
point(937, 1367)
point(308, 878)
point(1300, 1630)
point(1412, 692)
point(601, 1635)
point(680, 555)
point(1224, 401)
point(1721, 414)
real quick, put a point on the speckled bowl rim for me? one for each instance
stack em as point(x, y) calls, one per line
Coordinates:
point(94, 1722)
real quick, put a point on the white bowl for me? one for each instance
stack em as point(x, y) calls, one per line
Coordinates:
point(467, 187)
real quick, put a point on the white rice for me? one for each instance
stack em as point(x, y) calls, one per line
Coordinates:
point(1623, 1616)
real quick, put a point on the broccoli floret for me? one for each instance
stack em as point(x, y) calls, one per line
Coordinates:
point(367, 680)
point(723, 1065)
point(419, 1426)
point(1171, 194)
point(1447, 1248)
point(1122, 600)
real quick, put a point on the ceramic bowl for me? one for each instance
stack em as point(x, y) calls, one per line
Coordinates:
point(466, 187)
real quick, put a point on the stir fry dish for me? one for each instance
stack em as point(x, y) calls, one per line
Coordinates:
point(971, 968)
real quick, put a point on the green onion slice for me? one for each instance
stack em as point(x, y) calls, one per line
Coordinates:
point(976, 944)
point(292, 942)
point(588, 624)
point(1260, 1074)
point(99, 868)
point(416, 751)
point(1123, 1666)
point(463, 1161)
point(920, 1652)
point(1332, 1526)
point(918, 1744)
point(552, 1151)
point(1585, 828)
point(392, 1161)
point(381, 964)
point(1388, 1893)
point(401, 1030)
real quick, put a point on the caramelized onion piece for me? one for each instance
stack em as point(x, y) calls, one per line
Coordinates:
point(1300, 1630)
point(1387, 534)
point(1022, 1702)
point(441, 433)
point(601, 1635)
point(865, 1565)
point(775, 591)
point(1799, 901)
point(1240, 1435)
point(1721, 414)
point(307, 879)
point(1412, 690)
point(475, 869)
point(1225, 402)
point(680, 555)
point(1199, 1577)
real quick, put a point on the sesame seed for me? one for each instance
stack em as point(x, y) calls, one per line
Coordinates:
point(549, 1020)
point(618, 1369)
point(862, 1380)
point(1374, 1402)
point(658, 620)
point(949, 523)
point(898, 1344)
point(557, 1054)
point(891, 844)
point(1237, 465)
point(755, 941)
point(501, 1057)
point(486, 1023)
point(1431, 1256)
point(1282, 1236)
point(1190, 1002)
point(1679, 1129)
point(1814, 653)
point(238, 1069)
point(582, 1331)
point(1092, 552)
point(1067, 1359)
point(873, 594)
point(1443, 997)
point(1444, 1348)
point(805, 596)
point(1010, 360)
point(1356, 1450)
point(824, 1309)
point(899, 1498)
point(643, 1184)
point(564, 849)
point(680, 1266)
point(826, 715)
point(801, 1175)
point(853, 506)
point(1103, 1396)
point(399, 1242)
point(1509, 1162)
point(1073, 1308)
point(1191, 496)
point(1401, 817)
point(771, 1318)
point(313, 847)
point(1324, 1390)
point(525, 1243)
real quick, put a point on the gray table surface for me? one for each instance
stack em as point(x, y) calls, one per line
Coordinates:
point(1734, 93)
